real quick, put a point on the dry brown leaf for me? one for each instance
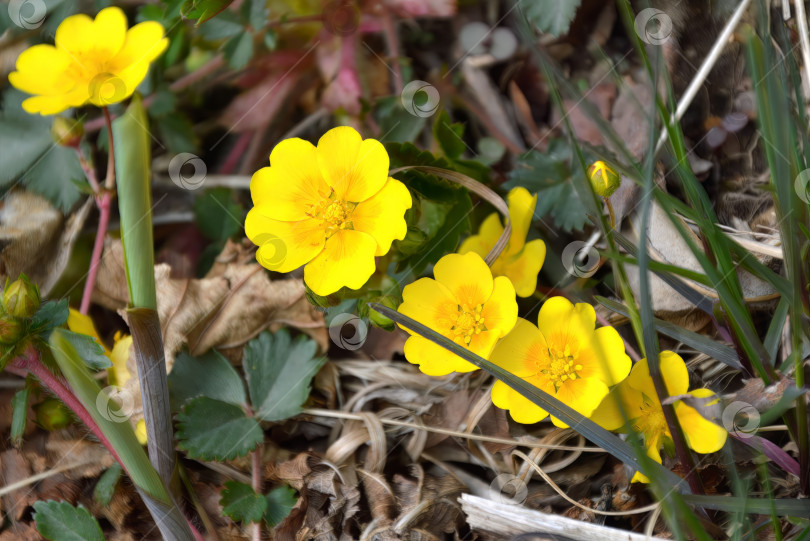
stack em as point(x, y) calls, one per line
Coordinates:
point(35, 238)
point(232, 304)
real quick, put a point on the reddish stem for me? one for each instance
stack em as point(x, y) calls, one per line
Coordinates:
point(104, 205)
point(30, 362)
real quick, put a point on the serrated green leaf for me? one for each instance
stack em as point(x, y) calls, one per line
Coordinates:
point(53, 175)
point(208, 375)
point(104, 490)
point(210, 429)
point(278, 371)
point(60, 521)
point(239, 50)
point(241, 503)
point(89, 350)
point(19, 415)
point(50, 315)
point(548, 174)
point(280, 502)
point(218, 216)
point(24, 138)
point(550, 16)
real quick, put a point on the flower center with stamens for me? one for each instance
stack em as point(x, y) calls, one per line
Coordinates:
point(651, 422)
point(334, 214)
point(562, 365)
point(468, 323)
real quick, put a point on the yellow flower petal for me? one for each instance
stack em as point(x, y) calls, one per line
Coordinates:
point(564, 321)
point(608, 414)
point(521, 351)
point(140, 431)
point(355, 168)
point(430, 303)
point(283, 246)
point(143, 43)
point(119, 374)
point(652, 452)
point(467, 277)
point(501, 309)
point(82, 324)
point(605, 359)
point(109, 31)
point(347, 260)
point(75, 34)
point(701, 434)
point(31, 78)
point(673, 372)
point(523, 268)
point(521, 213)
point(521, 409)
point(382, 215)
point(584, 395)
point(292, 183)
point(433, 359)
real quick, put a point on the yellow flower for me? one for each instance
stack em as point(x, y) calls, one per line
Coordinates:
point(520, 261)
point(332, 208)
point(118, 374)
point(465, 304)
point(640, 402)
point(97, 61)
point(563, 356)
point(604, 179)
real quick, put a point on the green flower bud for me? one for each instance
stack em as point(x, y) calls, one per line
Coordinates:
point(604, 179)
point(10, 330)
point(376, 318)
point(21, 298)
point(52, 414)
point(413, 242)
point(67, 132)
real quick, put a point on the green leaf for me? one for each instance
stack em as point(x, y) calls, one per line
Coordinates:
point(89, 350)
point(449, 136)
point(133, 171)
point(396, 124)
point(241, 503)
point(50, 315)
point(278, 372)
point(225, 26)
point(53, 176)
point(280, 502)
point(24, 138)
point(239, 50)
point(19, 415)
point(548, 173)
point(210, 429)
point(208, 375)
point(105, 487)
point(203, 10)
point(60, 521)
point(550, 16)
point(218, 216)
point(177, 132)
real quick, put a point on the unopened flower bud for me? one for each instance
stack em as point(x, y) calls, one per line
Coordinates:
point(10, 330)
point(376, 318)
point(52, 414)
point(21, 298)
point(603, 178)
point(67, 132)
